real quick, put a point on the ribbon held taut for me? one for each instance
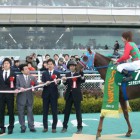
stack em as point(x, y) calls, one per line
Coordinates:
point(33, 87)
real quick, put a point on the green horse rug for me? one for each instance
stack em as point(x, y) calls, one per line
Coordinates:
point(113, 81)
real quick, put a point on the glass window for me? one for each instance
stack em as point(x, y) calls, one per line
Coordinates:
point(62, 37)
point(89, 3)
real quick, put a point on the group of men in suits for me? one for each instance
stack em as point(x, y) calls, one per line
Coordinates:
point(9, 81)
point(72, 95)
point(49, 96)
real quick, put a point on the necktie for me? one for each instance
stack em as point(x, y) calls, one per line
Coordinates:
point(50, 73)
point(5, 75)
point(26, 79)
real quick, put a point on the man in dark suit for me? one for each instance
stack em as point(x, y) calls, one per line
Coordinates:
point(50, 95)
point(6, 75)
point(73, 95)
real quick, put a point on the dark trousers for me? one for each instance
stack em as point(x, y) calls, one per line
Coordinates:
point(9, 101)
point(67, 111)
point(46, 103)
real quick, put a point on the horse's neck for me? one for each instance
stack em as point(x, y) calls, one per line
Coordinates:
point(100, 61)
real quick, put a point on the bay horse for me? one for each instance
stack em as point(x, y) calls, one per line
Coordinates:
point(133, 92)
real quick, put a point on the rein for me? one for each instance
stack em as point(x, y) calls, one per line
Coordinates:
point(102, 67)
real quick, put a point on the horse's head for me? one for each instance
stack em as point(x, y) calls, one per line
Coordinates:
point(88, 59)
point(80, 66)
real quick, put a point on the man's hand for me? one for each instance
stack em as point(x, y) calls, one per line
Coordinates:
point(22, 89)
point(58, 80)
point(64, 79)
point(115, 61)
point(16, 92)
point(48, 83)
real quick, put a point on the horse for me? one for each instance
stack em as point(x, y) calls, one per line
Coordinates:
point(100, 62)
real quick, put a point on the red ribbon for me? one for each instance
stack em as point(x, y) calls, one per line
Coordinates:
point(53, 77)
point(12, 82)
point(32, 84)
point(74, 85)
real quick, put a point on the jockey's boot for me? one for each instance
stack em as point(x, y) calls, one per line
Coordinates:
point(128, 76)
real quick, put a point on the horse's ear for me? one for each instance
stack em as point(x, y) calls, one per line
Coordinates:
point(89, 50)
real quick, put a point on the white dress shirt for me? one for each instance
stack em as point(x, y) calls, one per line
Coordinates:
point(51, 71)
point(26, 77)
point(8, 73)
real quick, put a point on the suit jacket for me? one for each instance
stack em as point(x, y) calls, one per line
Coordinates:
point(75, 92)
point(50, 90)
point(27, 96)
point(5, 85)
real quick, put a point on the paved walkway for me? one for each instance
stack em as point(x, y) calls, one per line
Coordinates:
point(113, 129)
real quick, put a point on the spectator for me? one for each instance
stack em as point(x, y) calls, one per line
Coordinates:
point(30, 67)
point(61, 65)
point(116, 54)
point(56, 58)
point(72, 58)
point(47, 56)
point(15, 67)
point(35, 60)
point(28, 59)
point(66, 57)
point(77, 58)
point(12, 60)
point(44, 66)
point(106, 47)
point(116, 46)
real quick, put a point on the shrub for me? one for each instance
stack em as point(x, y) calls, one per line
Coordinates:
point(88, 105)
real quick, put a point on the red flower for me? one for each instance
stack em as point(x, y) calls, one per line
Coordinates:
point(54, 76)
point(32, 83)
point(74, 79)
point(12, 79)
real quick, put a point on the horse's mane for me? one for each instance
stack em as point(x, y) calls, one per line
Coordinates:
point(105, 57)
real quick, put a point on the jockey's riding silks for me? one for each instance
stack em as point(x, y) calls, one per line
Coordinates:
point(132, 50)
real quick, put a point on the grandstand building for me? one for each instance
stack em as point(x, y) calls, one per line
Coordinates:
point(65, 25)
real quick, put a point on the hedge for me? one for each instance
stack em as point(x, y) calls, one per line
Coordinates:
point(89, 105)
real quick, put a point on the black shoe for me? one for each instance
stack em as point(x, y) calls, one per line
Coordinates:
point(128, 76)
point(79, 131)
point(45, 130)
point(33, 130)
point(63, 130)
point(23, 130)
point(2, 131)
point(53, 130)
point(125, 72)
point(10, 131)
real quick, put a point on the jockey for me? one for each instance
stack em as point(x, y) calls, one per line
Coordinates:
point(130, 51)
